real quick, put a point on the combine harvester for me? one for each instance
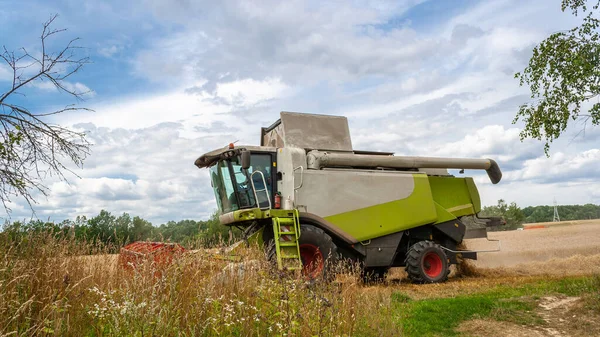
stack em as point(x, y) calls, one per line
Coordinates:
point(309, 199)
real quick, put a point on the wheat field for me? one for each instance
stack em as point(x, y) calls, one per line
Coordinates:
point(561, 249)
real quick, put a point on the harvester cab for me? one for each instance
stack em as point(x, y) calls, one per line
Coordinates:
point(309, 199)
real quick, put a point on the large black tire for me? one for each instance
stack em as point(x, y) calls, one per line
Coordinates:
point(426, 262)
point(318, 253)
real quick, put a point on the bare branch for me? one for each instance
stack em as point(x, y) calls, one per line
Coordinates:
point(31, 148)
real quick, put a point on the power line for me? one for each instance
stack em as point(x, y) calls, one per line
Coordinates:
point(556, 217)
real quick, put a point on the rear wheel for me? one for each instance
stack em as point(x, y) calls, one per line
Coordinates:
point(426, 262)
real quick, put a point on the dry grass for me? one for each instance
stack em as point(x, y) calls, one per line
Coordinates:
point(48, 287)
point(62, 288)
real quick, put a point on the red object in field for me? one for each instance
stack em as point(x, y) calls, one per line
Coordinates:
point(535, 227)
point(160, 253)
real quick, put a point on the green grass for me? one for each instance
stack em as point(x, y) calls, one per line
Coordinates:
point(441, 316)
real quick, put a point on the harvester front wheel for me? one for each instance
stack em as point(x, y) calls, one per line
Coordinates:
point(426, 262)
point(317, 251)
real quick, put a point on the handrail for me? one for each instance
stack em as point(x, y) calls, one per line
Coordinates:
point(301, 177)
point(266, 189)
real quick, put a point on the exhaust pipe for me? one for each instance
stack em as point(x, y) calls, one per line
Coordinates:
point(318, 160)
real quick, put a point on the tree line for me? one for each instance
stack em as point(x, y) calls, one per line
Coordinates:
point(516, 216)
point(116, 231)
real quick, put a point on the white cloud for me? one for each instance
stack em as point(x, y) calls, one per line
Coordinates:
point(77, 87)
point(561, 167)
point(148, 172)
point(250, 92)
point(526, 193)
point(489, 141)
point(109, 51)
point(225, 69)
point(291, 40)
point(5, 73)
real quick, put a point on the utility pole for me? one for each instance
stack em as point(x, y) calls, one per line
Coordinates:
point(556, 217)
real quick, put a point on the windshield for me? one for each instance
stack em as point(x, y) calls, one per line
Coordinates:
point(232, 186)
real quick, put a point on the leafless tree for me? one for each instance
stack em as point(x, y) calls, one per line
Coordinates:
point(32, 148)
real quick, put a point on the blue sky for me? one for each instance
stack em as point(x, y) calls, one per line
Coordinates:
point(174, 79)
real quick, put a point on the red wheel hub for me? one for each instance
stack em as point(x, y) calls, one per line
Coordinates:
point(312, 260)
point(432, 265)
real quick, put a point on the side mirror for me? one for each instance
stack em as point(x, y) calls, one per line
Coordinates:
point(245, 159)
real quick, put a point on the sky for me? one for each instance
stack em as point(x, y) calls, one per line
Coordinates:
point(171, 80)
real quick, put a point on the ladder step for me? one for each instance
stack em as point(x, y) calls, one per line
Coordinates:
point(287, 234)
point(291, 263)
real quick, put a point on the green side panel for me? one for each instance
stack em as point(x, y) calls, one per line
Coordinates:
point(257, 213)
point(442, 214)
point(256, 239)
point(454, 195)
point(475, 199)
point(248, 214)
point(391, 217)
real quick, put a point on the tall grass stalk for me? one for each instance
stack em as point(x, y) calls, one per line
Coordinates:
point(59, 287)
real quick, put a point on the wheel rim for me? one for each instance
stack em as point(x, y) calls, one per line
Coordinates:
point(312, 260)
point(432, 265)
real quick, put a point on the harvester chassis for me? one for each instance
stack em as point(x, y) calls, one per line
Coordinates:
point(376, 256)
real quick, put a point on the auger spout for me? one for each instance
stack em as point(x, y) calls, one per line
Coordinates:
point(319, 159)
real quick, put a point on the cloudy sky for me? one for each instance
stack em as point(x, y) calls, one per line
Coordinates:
point(174, 79)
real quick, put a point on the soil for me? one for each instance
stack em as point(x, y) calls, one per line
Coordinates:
point(563, 317)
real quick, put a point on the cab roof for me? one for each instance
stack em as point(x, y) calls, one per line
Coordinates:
point(210, 158)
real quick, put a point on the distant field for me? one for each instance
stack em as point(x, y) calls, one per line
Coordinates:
point(572, 248)
point(563, 223)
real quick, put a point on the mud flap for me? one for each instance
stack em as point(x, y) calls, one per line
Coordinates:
point(477, 227)
point(474, 233)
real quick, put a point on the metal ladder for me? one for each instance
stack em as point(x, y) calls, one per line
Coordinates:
point(287, 244)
